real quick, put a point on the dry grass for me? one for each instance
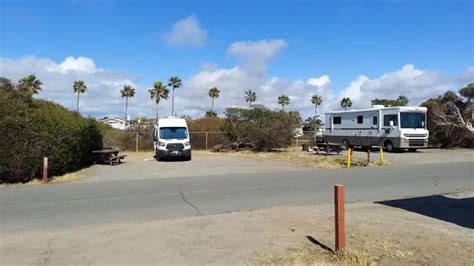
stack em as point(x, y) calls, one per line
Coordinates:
point(296, 156)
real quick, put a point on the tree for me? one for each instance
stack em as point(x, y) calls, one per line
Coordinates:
point(127, 92)
point(6, 84)
point(283, 100)
point(174, 83)
point(79, 87)
point(250, 97)
point(467, 92)
point(400, 101)
point(346, 103)
point(211, 113)
point(312, 124)
point(29, 85)
point(213, 93)
point(158, 92)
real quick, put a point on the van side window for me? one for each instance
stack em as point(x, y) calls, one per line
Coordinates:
point(336, 120)
point(360, 119)
point(388, 118)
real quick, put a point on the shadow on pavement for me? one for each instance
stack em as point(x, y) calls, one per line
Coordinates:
point(456, 211)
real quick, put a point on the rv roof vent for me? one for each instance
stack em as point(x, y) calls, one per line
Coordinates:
point(378, 106)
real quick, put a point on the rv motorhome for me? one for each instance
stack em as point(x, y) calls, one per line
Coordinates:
point(401, 127)
point(171, 139)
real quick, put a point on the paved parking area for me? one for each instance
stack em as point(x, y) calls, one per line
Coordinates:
point(143, 166)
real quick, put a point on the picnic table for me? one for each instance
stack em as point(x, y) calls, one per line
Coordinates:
point(328, 147)
point(108, 156)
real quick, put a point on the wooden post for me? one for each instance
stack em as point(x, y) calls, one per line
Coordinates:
point(206, 141)
point(339, 217)
point(136, 142)
point(368, 154)
point(45, 170)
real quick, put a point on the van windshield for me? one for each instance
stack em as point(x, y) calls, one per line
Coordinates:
point(412, 120)
point(173, 133)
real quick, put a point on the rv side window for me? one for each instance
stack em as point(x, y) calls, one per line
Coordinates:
point(375, 121)
point(388, 118)
point(336, 120)
point(360, 119)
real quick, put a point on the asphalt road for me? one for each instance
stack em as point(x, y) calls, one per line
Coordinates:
point(71, 204)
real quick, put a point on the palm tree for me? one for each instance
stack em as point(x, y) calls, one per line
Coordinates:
point(317, 101)
point(283, 100)
point(250, 97)
point(346, 103)
point(174, 83)
point(79, 87)
point(127, 92)
point(213, 93)
point(30, 85)
point(158, 92)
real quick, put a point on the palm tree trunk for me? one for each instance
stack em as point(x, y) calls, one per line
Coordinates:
point(172, 103)
point(77, 103)
point(126, 112)
point(250, 104)
point(157, 112)
point(212, 105)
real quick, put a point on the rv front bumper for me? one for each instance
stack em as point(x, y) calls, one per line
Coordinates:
point(413, 143)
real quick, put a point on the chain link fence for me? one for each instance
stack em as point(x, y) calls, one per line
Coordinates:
point(143, 141)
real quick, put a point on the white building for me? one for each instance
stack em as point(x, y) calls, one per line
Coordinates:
point(115, 122)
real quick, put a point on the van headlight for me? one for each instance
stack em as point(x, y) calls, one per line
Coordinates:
point(161, 143)
point(187, 143)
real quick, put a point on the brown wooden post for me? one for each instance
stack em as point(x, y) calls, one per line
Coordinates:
point(368, 155)
point(339, 217)
point(45, 170)
point(136, 142)
point(206, 141)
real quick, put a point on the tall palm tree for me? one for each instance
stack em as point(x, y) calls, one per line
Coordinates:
point(79, 87)
point(127, 92)
point(250, 97)
point(283, 100)
point(317, 101)
point(30, 85)
point(158, 92)
point(174, 83)
point(346, 103)
point(213, 93)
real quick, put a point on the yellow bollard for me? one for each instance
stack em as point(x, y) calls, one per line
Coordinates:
point(349, 157)
point(382, 161)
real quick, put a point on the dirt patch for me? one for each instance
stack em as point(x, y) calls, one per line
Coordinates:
point(306, 159)
point(375, 234)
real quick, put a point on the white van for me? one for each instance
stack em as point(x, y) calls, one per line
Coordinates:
point(171, 139)
point(394, 128)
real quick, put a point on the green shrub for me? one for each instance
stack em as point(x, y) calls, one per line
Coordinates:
point(260, 128)
point(31, 129)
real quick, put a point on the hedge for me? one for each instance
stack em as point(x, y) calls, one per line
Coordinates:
point(31, 129)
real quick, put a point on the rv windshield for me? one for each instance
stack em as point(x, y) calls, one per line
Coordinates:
point(412, 120)
point(173, 133)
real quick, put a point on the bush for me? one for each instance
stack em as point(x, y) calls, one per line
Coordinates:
point(260, 128)
point(31, 129)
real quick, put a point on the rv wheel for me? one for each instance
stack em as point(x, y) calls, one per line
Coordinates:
point(389, 146)
point(345, 143)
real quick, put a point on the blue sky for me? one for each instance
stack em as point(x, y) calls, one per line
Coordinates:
point(341, 39)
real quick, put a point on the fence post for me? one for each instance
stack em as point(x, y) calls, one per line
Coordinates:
point(382, 161)
point(339, 217)
point(206, 140)
point(368, 155)
point(45, 170)
point(349, 157)
point(136, 142)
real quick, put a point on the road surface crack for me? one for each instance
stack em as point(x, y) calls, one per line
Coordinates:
point(189, 203)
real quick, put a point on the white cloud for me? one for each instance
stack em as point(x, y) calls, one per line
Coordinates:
point(416, 84)
point(255, 55)
point(71, 64)
point(186, 32)
point(102, 96)
point(324, 81)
